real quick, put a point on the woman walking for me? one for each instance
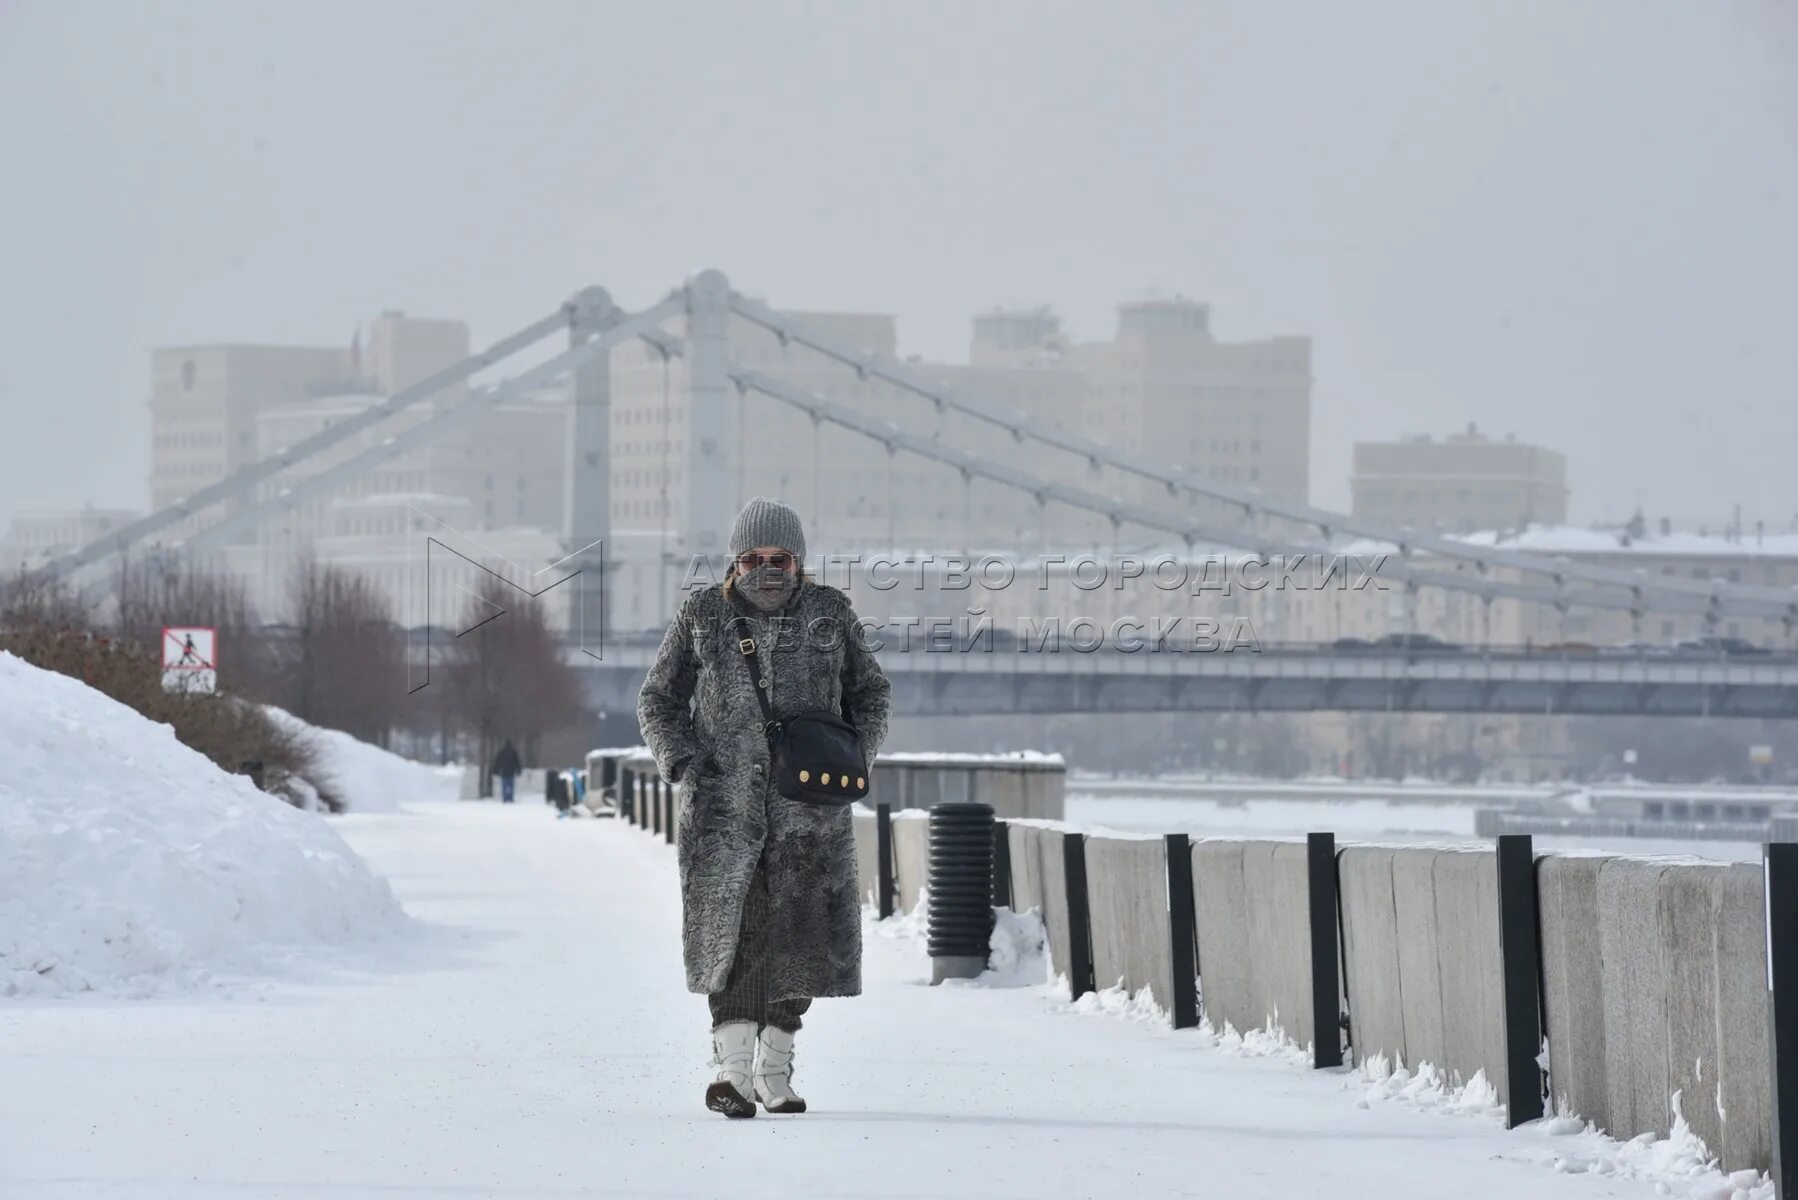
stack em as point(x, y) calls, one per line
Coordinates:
point(771, 911)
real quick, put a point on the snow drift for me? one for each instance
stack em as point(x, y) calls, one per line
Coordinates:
point(365, 778)
point(133, 864)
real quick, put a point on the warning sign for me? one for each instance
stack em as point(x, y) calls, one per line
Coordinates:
point(189, 655)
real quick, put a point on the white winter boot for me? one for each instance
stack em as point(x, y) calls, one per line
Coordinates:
point(774, 1072)
point(733, 1049)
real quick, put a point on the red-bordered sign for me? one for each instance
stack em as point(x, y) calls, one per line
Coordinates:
point(189, 658)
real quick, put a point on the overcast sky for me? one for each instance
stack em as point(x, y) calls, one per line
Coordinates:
point(1570, 221)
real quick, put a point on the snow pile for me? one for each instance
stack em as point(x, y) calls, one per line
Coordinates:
point(1119, 1001)
point(1678, 1165)
point(1017, 952)
point(1428, 1088)
point(365, 778)
point(133, 864)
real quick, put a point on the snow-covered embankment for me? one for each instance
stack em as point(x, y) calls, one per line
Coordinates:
point(133, 864)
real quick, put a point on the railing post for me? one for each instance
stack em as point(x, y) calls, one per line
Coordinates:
point(1001, 864)
point(655, 804)
point(1326, 1006)
point(1779, 865)
point(627, 807)
point(1521, 957)
point(883, 854)
point(1080, 945)
point(1182, 931)
point(668, 813)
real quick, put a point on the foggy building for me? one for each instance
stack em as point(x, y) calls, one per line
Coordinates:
point(33, 538)
point(1465, 482)
point(1163, 387)
point(205, 400)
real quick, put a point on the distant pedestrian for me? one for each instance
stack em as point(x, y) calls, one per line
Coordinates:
point(771, 910)
point(506, 765)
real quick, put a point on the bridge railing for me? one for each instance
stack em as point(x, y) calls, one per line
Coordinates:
point(1633, 993)
point(1629, 992)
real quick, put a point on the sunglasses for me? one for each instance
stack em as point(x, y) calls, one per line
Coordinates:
point(780, 560)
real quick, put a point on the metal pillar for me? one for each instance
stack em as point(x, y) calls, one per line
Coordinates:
point(587, 502)
point(1326, 1005)
point(1520, 954)
point(1779, 862)
point(711, 442)
point(1182, 931)
point(883, 853)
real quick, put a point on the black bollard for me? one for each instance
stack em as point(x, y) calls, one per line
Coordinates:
point(961, 890)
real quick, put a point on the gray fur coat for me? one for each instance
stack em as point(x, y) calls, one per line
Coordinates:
point(700, 717)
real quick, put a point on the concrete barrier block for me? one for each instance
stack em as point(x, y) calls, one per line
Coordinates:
point(1471, 966)
point(1276, 879)
point(1026, 867)
point(911, 857)
point(1419, 957)
point(1688, 959)
point(1573, 985)
point(1002, 789)
point(1220, 915)
point(867, 855)
point(1741, 941)
point(1376, 1002)
point(1126, 883)
point(1053, 873)
point(1047, 792)
point(1635, 1002)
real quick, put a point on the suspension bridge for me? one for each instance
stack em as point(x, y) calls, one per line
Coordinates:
point(1054, 467)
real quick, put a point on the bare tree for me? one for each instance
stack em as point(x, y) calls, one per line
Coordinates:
point(340, 663)
point(34, 601)
point(506, 676)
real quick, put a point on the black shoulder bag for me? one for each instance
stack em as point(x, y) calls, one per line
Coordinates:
point(816, 756)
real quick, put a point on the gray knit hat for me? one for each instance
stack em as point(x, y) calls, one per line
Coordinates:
point(765, 522)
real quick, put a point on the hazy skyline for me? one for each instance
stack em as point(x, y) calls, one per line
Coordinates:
point(1571, 222)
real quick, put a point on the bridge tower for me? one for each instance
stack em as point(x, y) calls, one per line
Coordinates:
point(587, 507)
point(711, 439)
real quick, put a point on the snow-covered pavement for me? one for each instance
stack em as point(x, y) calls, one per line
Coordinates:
point(538, 1043)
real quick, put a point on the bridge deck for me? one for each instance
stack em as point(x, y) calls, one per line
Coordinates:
point(1293, 678)
point(539, 1044)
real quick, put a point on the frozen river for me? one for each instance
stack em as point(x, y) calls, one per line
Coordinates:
point(1353, 812)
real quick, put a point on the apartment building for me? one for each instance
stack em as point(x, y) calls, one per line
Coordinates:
point(1460, 483)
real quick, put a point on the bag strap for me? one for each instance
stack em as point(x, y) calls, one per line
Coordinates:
point(746, 645)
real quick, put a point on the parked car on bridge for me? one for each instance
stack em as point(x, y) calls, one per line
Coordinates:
point(1721, 645)
point(1579, 648)
point(1417, 643)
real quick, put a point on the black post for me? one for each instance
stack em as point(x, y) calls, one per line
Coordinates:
point(668, 816)
point(626, 806)
point(659, 799)
point(1521, 957)
point(1001, 865)
point(1779, 861)
point(1326, 1009)
point(961, 890)
point(1183, 931)
point(883, 854)
point(1080, 945)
